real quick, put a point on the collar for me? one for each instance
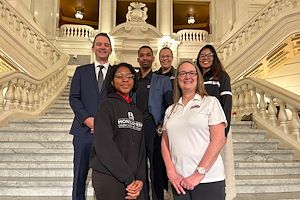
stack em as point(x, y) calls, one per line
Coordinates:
point(105, 65)
point(148, 76)
point(127, 99)
point(197, 97)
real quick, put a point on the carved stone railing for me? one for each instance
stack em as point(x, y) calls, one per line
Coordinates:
point(74, 30)
point(272, 10)
point(22, 94)
point(273, 108)
point(32, 50)
point(190, 35)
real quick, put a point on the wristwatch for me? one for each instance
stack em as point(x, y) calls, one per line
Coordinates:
point(201, 170)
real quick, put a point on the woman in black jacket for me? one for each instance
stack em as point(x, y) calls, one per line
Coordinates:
point(217, 83)
point(118, 152)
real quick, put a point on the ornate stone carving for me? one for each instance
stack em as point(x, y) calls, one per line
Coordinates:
point(137, 12)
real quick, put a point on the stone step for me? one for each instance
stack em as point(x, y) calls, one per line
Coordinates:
point(41, 191)
point(241, 124)
point(265, 144)
point(37, 172)
point(269, 196)
point(58, 116)
point(35, 150)
point(263, 155)
point(60, 135)
point(60, 106)
point(247, 135)
point(42, 198)
point(36, 164)
point(43, 123)
point(36, 145)
point(267, 184)
point(8, 157)
point(58, 111)
point(267, 168)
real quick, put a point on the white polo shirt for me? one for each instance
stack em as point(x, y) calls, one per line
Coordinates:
point(188, 133)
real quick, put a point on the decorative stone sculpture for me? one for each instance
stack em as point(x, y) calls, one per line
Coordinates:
point(137, 12)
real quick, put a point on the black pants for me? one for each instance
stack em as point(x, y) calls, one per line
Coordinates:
point(109, 188)
point(203, 191)
point(82, 149)
point(157, 170)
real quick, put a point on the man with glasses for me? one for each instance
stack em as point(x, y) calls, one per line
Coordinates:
point(166, 59)
point(153, 97)
point(86, 93)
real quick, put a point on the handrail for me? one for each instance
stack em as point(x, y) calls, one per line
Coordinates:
point(21, 93)
point(273, 107)
point(75, 30)
point(46, 56)
point(191, 35)
point(237, 41)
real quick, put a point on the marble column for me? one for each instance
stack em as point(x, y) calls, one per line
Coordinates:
point(164, 16)
point(107, 15)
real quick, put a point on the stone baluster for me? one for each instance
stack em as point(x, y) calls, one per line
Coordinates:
point(253, 99)
point(52, 53)
point(1, 97)
point(38, 44)
point(24, 94)
point(262, 105)
point(295, 124)
point(272, 111)
point(234, 104)
point(36, 98)
point(46, 92)
point(45, 49)
point(282, 117)
point(17, 95)
point(11, 19)
point(9, 96)
point(18, 25)
point(241, 101)
point(247, 98)
point(30, 96)
point(41, 94)
point(25, 31)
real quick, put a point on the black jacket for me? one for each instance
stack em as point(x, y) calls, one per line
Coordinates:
point(119, 147)
point(221, 89)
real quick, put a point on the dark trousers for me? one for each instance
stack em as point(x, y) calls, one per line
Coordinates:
point(82, 149)
point(157, 168)
point(109, 188)
point(203, 191)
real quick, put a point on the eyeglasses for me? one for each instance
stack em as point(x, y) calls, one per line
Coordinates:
point(123, 76)
point(209, 56)
point(183, 74)
point(166, 57)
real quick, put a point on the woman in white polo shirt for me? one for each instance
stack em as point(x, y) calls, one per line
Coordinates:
point(193, 136)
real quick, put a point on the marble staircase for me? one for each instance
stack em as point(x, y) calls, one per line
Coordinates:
point(36, 160)
point(263, 170)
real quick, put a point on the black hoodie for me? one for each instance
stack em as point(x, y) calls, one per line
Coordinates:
point(119, 147)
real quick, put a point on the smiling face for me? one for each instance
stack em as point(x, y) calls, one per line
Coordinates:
point(123, 81)
point(145, 58)
point(165, 59)
point(206, 59)
point(187, 77)
point(102, 49)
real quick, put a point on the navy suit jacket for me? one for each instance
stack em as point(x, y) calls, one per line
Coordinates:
point(85, 97)
point(160, 97)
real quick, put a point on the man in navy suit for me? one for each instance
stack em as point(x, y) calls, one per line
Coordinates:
point(153, 96)
point(85, 95)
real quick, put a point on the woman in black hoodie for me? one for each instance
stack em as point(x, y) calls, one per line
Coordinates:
point(118, 156)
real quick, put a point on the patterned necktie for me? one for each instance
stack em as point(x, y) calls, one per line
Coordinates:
point(100, 77)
